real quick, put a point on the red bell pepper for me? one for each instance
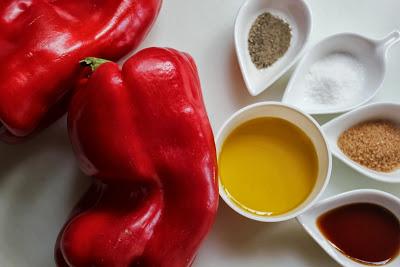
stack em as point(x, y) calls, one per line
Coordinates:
point(42, 42)
point(143, 133)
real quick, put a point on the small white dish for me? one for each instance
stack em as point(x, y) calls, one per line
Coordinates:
point(305, 122)
point(309, 219)
point(296, 13)
point(372, 54)
point(336, 127)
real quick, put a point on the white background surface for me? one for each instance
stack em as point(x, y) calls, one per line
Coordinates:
point(40, 182)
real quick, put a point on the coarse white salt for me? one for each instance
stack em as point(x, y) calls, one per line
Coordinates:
point(336, 80)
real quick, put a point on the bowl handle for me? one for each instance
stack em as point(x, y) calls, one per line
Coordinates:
point(388, 41)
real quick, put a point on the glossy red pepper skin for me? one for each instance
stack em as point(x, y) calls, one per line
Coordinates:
point(42, 42)
point(143, 133)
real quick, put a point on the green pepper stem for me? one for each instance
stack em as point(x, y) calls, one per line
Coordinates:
point(93, 62)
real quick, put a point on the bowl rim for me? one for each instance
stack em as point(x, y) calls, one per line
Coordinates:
point(289, 215)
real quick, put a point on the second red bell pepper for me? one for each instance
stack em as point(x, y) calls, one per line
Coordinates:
point(42, 42)
point(143, 133)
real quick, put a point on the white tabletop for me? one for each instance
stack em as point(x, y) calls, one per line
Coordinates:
point(40, 181)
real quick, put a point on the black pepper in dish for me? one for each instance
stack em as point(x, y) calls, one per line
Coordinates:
point(269, 40)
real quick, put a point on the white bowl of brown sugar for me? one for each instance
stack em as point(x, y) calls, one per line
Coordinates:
point(368, 140)
point(270, 36)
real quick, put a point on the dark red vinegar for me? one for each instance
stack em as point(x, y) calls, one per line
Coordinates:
point(367, 233)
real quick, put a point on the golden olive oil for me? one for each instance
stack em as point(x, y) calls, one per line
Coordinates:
point(268, 166)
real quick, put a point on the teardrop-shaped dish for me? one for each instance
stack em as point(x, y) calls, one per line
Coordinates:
point(298, 16)
point(309, 219)
point(371, 54)
point(334, 128)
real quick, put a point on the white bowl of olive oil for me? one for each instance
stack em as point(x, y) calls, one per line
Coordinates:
point(274, 162)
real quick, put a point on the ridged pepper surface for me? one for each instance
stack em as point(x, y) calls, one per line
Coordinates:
point(41, 44)
point(143, 133)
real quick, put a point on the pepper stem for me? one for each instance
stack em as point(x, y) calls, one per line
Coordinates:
point(93, 62)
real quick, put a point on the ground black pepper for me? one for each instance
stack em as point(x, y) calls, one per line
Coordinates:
point(269, 40)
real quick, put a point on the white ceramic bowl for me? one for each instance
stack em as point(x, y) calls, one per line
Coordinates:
point(336, 127)
point(372, 54)
point(296, 13)
point(309, 219)
point(301, 120)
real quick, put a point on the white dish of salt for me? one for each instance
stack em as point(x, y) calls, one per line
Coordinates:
point(340, 73)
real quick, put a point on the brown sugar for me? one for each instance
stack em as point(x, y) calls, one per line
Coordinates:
point(374, 144)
